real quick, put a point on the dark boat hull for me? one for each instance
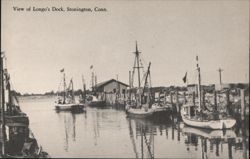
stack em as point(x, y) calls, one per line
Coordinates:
point(69, 107)
point(97, 103)
point(10, 120)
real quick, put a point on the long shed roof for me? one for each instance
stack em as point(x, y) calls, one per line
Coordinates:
point(109, 81)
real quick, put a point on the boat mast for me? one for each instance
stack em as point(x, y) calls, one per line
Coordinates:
point(138, 64)
point(199, 83)
point(73, 95)
point(137, 59)
point(10, 102)
point(92, 81)
point(130, 86)
point(64, 87)
point(146, 79)
point(83, 87)
point(83, 83)
point(2, 102)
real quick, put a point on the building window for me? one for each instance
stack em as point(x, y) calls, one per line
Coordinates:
point(123, 91)
point(114, 90)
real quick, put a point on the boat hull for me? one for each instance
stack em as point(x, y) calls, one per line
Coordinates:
point(97, 103)
point(139, 113)
point(226, 123)
point(210, 134)
point(69, 107)
point(10, 120)
point(212, 124)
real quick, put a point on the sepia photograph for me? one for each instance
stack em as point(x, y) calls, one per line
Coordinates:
point(124, 79)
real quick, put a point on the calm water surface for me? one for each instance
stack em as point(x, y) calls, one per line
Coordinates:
point(109, 133)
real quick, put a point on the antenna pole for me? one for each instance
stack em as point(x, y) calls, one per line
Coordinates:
point(220, 70)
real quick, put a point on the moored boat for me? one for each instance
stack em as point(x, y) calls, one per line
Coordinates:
point(209, 133)
point(67, 102)
point(140, 112)
point(205, 120)
point(142, 107)
point(195, 115)
point(15, 138)
point(69, 106)
point(93, 101)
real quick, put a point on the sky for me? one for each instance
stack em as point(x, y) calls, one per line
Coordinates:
point(169, 34)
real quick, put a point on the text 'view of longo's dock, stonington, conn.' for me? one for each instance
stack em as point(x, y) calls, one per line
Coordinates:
point(139, 79)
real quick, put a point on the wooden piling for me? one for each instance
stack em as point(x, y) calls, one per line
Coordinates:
point(242, 97)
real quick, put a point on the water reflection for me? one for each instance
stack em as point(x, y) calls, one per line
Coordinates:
point(108, 133)
point(69, 122)
point(216, 138)
point(142, 134)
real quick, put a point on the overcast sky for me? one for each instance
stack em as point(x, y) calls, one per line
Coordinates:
point(169, 33)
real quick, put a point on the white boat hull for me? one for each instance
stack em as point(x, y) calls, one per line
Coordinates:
point(210, 134)
point(71, 106)
point(139, 113)
point(209, 124)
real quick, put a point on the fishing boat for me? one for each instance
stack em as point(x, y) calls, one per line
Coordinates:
point(15, 136)
point(13, 113)
point(196, 116)
point(94, 101)
point(82, 97)
point(67, 101)
point(161, 104)
point(208, 133)
point(141, 107)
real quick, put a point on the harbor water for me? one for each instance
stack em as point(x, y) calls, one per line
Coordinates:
point(109, 133)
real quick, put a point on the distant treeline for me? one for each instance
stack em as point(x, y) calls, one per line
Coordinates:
point(50, 93)
point(208, 88)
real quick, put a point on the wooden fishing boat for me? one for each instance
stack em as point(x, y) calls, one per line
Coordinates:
point(159, 108)
point(23, 119)
point(208, 133)
point(14, 129)
point(196, 116)
point(67, 101)
point(140, 112)
point(142, 107)
point(69, 106)
point(203, 121)
point(93, 101)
